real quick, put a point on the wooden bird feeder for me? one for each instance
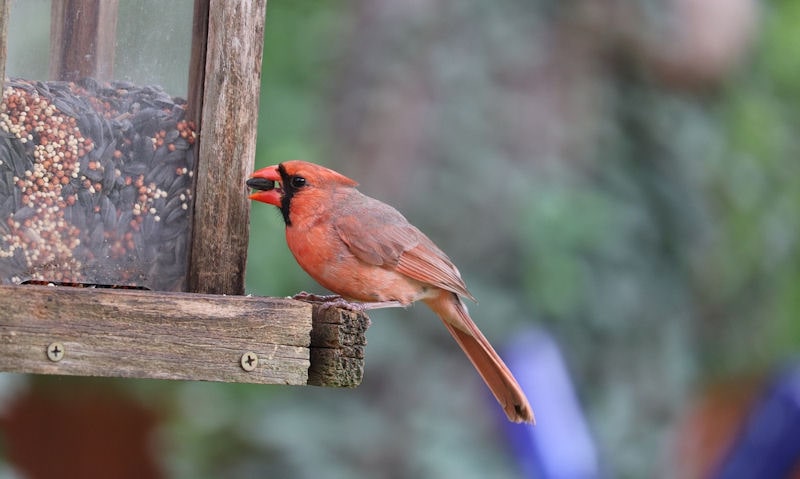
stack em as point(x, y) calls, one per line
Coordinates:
point(124, 214)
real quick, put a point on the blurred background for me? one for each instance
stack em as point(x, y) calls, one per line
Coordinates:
point(618, 182)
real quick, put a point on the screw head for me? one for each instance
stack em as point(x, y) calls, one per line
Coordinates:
point(249, 361)
point(55, 352)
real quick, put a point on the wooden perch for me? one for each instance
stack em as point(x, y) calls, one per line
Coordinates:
point(143, 334)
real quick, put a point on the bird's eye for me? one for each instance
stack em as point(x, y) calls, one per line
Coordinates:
point(298, 182)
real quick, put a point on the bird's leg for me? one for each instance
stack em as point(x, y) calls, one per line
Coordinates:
point(336, 301)
point(380, 304)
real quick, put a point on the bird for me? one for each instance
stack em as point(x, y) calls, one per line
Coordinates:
point(367, 252)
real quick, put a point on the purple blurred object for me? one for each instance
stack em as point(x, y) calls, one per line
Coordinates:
point(559, 446)
point(768, 445)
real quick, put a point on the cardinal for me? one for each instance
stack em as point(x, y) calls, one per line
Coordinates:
point(366, 251)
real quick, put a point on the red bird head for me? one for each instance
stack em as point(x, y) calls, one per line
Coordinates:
point(277, 185)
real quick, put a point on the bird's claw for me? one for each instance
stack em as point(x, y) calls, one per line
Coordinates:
point(326, 301)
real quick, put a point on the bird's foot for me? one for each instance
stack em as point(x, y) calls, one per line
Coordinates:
point(317, 298)
point(335, 301)
point(326, 301)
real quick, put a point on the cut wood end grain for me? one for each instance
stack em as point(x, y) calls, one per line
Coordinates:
point(338, 339)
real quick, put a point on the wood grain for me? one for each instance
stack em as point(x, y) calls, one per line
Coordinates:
point(227, 146)
point(143, 334)
point(338, 340)
point(128, 333)
point(83, 35)
point(197, 61)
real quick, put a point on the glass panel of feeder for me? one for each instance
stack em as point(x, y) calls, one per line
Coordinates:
point(97, 161)
point(153, 43)
point(29, 39)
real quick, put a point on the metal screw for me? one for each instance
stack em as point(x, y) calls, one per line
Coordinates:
point(249, 361)
point(55, 352)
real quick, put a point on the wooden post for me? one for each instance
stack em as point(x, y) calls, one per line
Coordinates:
point(140, 334)
point(227, 146)
point(83, 36)
point(197, 62)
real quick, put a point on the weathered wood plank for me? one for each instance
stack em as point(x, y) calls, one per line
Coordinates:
point(142, 334)
point(127, 333)
point(337, 347)
point(227, 146)
point(83, 35)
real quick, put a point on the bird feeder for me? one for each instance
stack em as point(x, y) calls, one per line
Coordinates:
point(123, 210)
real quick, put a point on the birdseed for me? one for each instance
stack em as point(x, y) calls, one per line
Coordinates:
point(95, 184)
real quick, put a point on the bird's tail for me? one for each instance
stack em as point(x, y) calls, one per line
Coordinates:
point(490, 366)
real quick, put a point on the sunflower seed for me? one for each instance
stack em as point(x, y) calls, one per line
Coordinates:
point(122, 192)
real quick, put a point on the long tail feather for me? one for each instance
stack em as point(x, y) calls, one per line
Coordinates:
point(490, 366)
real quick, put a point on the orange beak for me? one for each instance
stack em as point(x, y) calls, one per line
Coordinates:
point(267, 182)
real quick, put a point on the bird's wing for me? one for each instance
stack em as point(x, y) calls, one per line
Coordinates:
point(426, 262)
point(379, 235)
